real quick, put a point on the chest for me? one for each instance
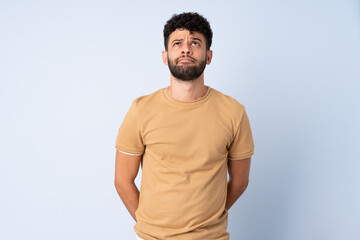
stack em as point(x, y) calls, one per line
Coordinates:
point(186, 134)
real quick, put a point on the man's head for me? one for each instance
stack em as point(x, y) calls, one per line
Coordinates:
point(189, 21)
point(187, 39)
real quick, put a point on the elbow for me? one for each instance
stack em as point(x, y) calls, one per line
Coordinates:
point(118, 184)
point(244, 185)
point(121, 185)
point(240, 188)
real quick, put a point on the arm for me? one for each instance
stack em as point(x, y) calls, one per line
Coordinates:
point(126, 169)
point(239, 179)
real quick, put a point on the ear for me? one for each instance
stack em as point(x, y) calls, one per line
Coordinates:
point(164, 57)
point(209, 55)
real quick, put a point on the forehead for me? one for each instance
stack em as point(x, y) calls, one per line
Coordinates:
point(182, 33)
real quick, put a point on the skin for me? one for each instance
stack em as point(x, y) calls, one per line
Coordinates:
point(183, 42)
point(126, 170)
point(193, 44)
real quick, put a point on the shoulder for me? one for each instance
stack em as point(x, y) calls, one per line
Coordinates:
point(146, 100)
point(227, 101)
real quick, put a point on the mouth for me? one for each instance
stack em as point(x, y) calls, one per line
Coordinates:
point(185, 59)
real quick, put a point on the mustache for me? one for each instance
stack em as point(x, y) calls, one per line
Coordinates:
point(185, 56)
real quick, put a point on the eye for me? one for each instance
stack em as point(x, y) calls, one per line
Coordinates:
point(196, 43)
point(177, 43)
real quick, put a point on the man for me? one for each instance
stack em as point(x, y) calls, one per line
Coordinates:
point(186, 137)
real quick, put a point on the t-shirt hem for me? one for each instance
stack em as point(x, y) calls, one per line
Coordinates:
point(128, 151)
point(241, 157)
point(138, 237)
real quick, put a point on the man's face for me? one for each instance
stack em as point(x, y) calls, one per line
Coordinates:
point(187, 55)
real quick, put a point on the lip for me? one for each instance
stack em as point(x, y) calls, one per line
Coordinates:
point(185, 59)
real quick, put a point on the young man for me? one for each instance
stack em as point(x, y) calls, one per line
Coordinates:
point(186, 137)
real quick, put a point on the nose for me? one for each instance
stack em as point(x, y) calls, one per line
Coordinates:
point(186, 49)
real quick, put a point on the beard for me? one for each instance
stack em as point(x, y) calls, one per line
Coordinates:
point(185, 71)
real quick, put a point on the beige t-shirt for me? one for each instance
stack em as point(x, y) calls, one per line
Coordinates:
point(185, 147)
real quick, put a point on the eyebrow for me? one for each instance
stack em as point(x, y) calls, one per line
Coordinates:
point(194, 38)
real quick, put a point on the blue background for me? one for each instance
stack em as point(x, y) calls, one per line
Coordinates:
point(69, 71)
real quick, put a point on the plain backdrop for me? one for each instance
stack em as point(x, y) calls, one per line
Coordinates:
point(69, 71)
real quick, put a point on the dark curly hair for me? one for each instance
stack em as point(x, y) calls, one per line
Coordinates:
point(190, 21)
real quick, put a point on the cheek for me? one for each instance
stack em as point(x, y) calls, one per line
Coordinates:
point(204, 57)
point(171, 58)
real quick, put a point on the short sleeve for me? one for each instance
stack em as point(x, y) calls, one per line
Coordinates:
point(242, 145)
point(129, 138)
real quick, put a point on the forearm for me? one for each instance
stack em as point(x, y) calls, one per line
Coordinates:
point(129, 194)
point(233, 193)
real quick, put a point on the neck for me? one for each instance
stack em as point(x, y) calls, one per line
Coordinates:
point(187, 91)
